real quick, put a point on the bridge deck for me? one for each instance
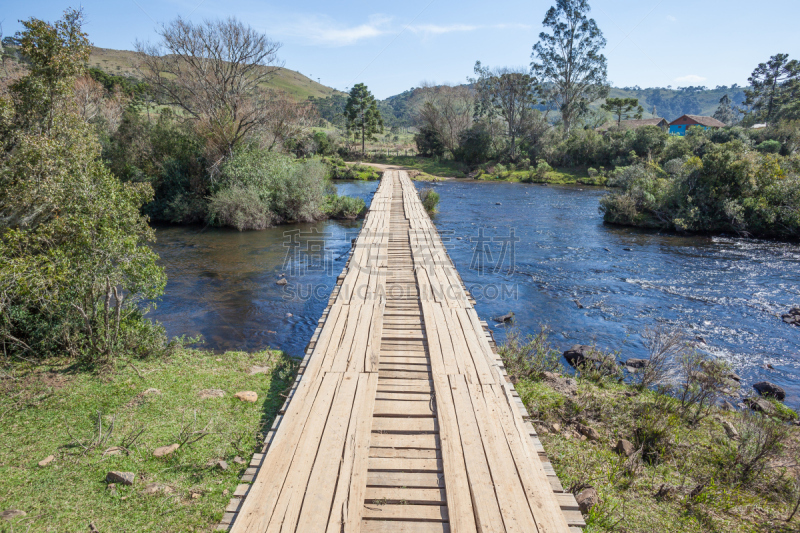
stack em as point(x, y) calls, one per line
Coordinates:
point(403, 419)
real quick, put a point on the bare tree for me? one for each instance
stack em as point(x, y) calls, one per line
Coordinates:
point(447, 111)
point(287, 119)
point(215, 72)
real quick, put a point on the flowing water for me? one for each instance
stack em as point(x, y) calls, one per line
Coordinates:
point(541, 252)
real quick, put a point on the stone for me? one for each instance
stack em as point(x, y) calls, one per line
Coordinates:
point(587, 498)
point(11, 514)
point(205, 394)
point(195, 495)
point(247, 396)
point(588, 432)
point(153, 488)
point(47, 460)
point(760, 405)
point(121, 478)
point(256, 369)
point(564, 385)
point(114, 450)
point(556, 427)
point(730, 430)
point(238, 460)
point(150, 391)
point(794, 311)
point(225, 492)
point(734, 377)
point(765, 388)
point(282, 281)
point(580, 354)
point(509, 317)
point(497, 203)
point(222, 465)
point(289, 315)
point(164, 451)
point(625, 447)
point(636, 363)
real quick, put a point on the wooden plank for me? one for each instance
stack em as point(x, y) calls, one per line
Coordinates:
point(408, 408)
point(407, 453)
point(460, 500)
point(395, 526)
point(400, 512)
point(404, 425)
point(410, 496)
point(484, 499)
point(411, 440)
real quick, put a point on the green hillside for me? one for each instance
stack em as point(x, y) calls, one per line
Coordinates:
point(120, 62)
point(672, 103)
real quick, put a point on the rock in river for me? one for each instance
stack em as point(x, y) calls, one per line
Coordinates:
point(580, 354)
point(636, 363)
point(765, 388)
point(761, 405)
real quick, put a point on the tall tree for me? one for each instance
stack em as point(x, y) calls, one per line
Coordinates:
point(773, 85)
point(623, 108)
point(507, 93)
point(568, 61)
point(363, 117)
point(214, 72)
point(725, 111)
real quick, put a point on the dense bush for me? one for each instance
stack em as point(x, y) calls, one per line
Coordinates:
point(429, 143)
point(429, 198)
point(344, 207)
point(257, 188)
point(729, 188)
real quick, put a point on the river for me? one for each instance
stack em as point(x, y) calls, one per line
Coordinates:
point(541, 252)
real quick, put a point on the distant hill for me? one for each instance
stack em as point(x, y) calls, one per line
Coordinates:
point(669, 103)
point(120, 62)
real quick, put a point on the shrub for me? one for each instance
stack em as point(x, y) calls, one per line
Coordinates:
point(703, 380)
point(429, 199)
point(241, 207)
point(761, 440)
point(769, 147)
point(429, 143)
point(529, 357)
point(344, 207)
point(653, 432)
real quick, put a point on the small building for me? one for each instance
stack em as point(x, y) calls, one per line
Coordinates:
point(634, 124)
point(760, 126)
point(680, 125)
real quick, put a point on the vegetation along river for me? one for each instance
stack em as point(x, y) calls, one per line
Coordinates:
point(541, 252)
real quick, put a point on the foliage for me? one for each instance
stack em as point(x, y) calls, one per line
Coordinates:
point(702, 383)
point(704, 186)
point(429, 142)
point(726, 113)
point(529, 357)
point(429, 199)
point(507, 93)
point(775, 89)
point(761, 440)
point(344, 207)
point(225, 103)
point(290, 190)
point(55, 55)
point(75, 268)
point(242, 207)
point(568, 61)
point(623, 108)
point(362, 115)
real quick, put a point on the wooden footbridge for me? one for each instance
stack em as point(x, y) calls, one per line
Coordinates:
point(402, 419)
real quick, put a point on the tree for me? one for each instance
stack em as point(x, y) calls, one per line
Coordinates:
point(76, 270)
point(215, 72)
point(726, 112)
point(773, 84)
point(568, 62)
point(447, 111)
point(623, 108)
point(508, 93)
point(363, 117)
point(55, 55)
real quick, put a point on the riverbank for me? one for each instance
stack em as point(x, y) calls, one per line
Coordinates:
point(65, 429)
point(432, 169)
point(650, 470)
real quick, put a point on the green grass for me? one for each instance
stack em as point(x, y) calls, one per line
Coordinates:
point(694, 456)
point(558, 176)
point(54, 411)
point(443, 168)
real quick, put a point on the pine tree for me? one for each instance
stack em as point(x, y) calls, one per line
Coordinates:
point(362, 114)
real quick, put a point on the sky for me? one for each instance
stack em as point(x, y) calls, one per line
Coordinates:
point(394, 46)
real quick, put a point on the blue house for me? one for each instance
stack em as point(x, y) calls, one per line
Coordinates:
point(680, 125)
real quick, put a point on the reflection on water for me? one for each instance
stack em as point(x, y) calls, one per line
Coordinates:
point(590, 283)
point(222, 283)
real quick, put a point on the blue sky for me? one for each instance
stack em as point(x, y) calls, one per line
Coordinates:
point(392, 46)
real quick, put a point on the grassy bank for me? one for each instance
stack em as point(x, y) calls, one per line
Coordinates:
point(77, 416)
point(682, 477)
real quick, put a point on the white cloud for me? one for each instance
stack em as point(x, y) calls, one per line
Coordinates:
point(435, 29)
point(322, 30)
point(690, 78)
point(671, 18)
